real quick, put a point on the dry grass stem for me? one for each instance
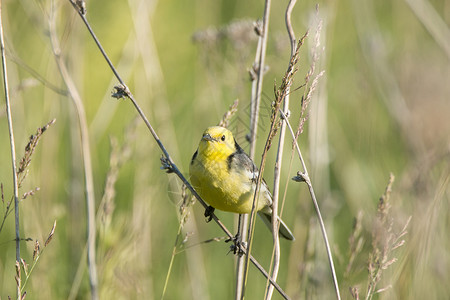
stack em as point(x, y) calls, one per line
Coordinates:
point(12, 149)
point(384, 242)
point(304, 177)
point(356, 242)
point(229, 114)
point(37, 252)
point(29, 150)
point(85, 152)
point(23, 169)
point(180, 241)
point(280, 93)
point(275, 259)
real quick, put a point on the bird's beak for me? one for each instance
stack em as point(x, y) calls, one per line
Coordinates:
point(207, 137)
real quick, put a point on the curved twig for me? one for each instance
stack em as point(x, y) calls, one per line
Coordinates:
point(86, 155)
point(305, 177)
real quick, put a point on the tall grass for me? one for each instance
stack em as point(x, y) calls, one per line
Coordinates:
point(385, 109)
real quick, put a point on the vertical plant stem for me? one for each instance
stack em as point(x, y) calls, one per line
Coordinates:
point(240, 263)
point(305, 177)
point(243, 219)
point(86, 155)
point(279, 159)
point(254, 117)
point(12, 145)
point(172, 258)
point(259, 79)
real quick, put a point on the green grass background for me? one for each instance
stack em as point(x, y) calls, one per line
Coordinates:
point(376, 55)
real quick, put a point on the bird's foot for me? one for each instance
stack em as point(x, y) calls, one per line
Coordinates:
point(208, 213)
point(237, 246)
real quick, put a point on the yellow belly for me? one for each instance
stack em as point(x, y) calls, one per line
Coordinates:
point(222, 190)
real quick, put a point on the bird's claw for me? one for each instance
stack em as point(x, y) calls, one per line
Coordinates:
point(237, 245)
point(208, 213)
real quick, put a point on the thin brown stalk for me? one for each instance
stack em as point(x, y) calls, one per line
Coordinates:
point(277, 169)
point(36, 255)
point(13, 153)
point(254, 117)
point(260, 65)
point(280, 94)
point(304, 177)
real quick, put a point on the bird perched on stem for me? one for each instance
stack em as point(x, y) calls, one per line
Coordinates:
point(225, 177)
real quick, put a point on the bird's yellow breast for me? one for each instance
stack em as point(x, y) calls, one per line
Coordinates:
point(222, 189)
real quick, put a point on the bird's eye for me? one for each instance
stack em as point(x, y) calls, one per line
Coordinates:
point(223, 138)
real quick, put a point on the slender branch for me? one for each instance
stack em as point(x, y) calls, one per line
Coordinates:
point(260, 65)
point(305, 177)
point(253, 214)
point(123, 91)
point(85, 148)
point(289, 27)
point(254, 117)
point(172, 258)
point(12, 146)
point(279, 159)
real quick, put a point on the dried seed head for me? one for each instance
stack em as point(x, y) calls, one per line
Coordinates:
point(24, 266)
point(229, 114)
point(37, 250)
point(50, 236)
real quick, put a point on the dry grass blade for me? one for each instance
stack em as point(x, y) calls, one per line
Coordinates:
point(50, 236)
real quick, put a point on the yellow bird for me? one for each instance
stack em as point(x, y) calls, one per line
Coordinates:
point(225, 177)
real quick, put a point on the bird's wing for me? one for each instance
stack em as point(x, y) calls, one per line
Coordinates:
point(241, 162)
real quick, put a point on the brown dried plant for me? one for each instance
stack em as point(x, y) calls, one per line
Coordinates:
point(229, 114)
point(22, 171)
point(384, 242)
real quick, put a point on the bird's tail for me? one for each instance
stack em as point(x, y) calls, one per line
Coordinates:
point(284, 231)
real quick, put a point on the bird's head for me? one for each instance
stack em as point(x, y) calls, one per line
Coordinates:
point(217, 140)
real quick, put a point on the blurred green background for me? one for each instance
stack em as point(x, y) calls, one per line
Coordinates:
point(382, 106)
